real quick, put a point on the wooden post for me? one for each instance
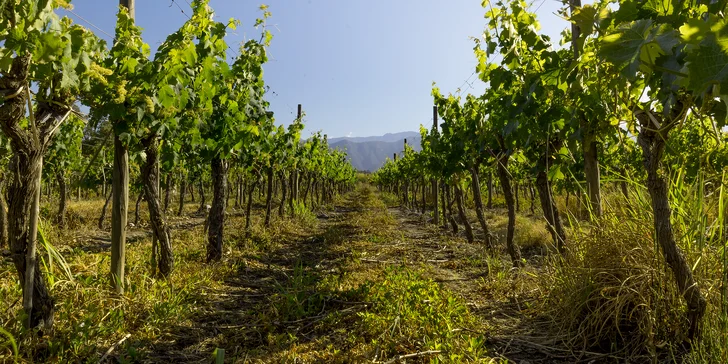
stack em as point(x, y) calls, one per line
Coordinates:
point(120, 190)
point(436, 214)
point(296, 179)
point(30, 257)
point(129, 5)
point(155, 247)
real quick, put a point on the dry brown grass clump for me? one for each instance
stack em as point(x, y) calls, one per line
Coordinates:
point(613, 293)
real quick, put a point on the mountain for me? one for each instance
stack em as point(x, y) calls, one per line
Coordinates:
point(389, 137)
point(369, 155)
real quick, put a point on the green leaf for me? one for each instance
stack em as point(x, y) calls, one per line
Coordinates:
point(555, 173)
point(69, 78)
point(6, 61)
point(694, 30)
point(211, 144)
point(253, 130)
point(166, 96)
point(140, 114)
point(48, 47)
point(190, 55)
point(584, 17)
point(663, 7)
point(708, 66)
point(624, 46)
point(130, 65)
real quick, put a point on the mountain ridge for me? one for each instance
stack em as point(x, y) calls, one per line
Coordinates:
point(369, 153)
point(388, 137)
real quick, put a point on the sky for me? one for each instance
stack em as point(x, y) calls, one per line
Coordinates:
point(358, 67)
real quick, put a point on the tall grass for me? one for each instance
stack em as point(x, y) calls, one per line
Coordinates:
point(9, 341)
point(614, 292)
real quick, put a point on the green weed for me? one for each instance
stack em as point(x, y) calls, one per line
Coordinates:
point(411, 313)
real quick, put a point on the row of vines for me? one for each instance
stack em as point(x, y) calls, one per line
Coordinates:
point(194, 112)
point(632, 99)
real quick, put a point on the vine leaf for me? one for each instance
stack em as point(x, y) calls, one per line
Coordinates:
point(166, 96)
point(584, 17)
point(708, 65)
point(626, 45)
point(663, 7)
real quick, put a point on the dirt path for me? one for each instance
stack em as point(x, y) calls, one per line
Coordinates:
point(273, 306)
point(235, 316)
point(513, 332)
point(421, 244)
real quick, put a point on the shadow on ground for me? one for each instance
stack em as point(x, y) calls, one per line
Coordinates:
point(274, 300)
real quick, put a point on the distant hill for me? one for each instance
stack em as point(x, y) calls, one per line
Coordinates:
point(389, 137)
point(370, 153)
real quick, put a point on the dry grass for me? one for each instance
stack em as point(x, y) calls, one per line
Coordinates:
point(296, 291)
point(363, 281)
point(611, 294)
point(614, 293)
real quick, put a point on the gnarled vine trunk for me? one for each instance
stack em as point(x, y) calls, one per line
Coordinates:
point(136, 208)
point(435, 210)
point(238, 191)
point(652, 139)
point(269, 197)
point(157, 218)
point(284, 191)
point(24, 190)
point(3, 214)
point(477, 198)
point(551, 212)
point(533, 198)
point(243, 192)
point(182, 190)
point(320, 186)
point(444, 205)
point(103, 210)
point(424, 195)
point(167, 188)
point(461, 213)
point(201, 188)
point(591, 171)
point(490, 190)
point(450, 215)
point(249, 207)
point(216, 218)
point(505, 181)
point(308, 188)
point(62, 197)
point(23, 195)
point(292, 195)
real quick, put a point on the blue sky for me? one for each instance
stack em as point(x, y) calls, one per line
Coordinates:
point(359, 67)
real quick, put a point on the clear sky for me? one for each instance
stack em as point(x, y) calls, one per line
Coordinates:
point(359, 67)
